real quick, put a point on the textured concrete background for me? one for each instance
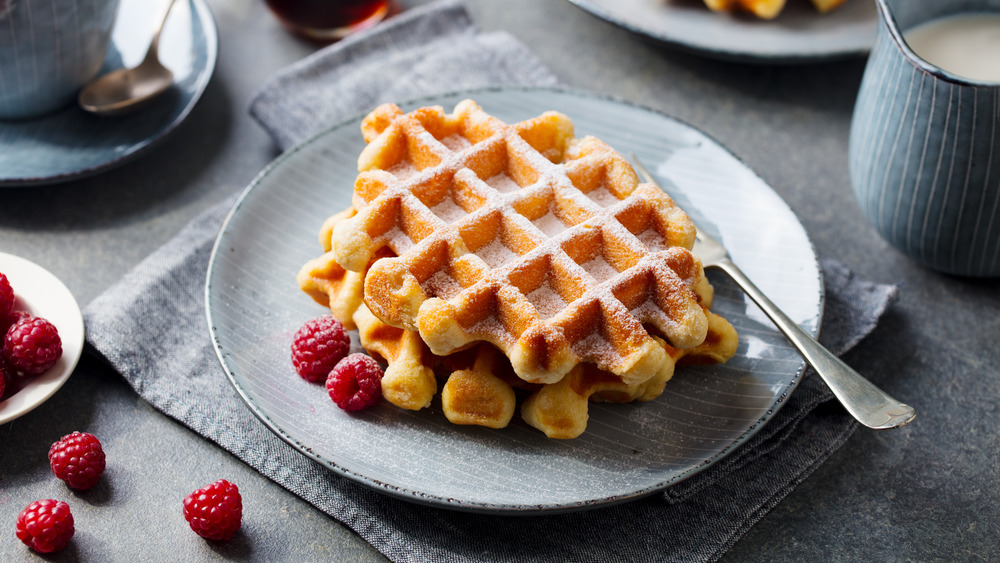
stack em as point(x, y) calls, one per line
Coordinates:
point(925, 492)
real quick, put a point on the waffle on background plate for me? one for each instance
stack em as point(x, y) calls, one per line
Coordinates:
point(767, 9)
point(512, 260)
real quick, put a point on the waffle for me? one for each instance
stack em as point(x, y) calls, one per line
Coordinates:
point(766, 9)
point(824, 6)
point(480, 382)
point(410, 380)
point(560, 410)
point(328, 283)
point(521, 236)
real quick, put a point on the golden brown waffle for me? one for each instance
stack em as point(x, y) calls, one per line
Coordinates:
point(766, 9)
point(825, 6)
point(409, 381)
point(480, 382)
point(521, 236)
point(328, 283)
point(560, 410)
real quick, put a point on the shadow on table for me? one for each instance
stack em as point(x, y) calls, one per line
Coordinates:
point(152, 181)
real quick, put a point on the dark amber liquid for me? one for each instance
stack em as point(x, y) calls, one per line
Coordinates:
point(325, 14)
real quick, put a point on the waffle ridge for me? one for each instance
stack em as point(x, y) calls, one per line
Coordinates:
point(543, 245)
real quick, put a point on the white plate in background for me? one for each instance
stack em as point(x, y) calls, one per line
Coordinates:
point(799, 34)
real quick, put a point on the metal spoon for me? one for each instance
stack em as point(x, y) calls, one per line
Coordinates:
point(126, 89)
point(868, 404)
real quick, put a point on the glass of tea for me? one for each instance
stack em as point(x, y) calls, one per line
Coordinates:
point(328, 20)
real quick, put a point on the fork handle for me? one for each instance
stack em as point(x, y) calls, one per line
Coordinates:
point(867, 403)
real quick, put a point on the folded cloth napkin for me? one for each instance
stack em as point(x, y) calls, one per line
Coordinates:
point(172, 363)
point(427, 50)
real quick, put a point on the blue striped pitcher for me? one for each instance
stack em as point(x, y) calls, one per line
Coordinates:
point(924, 148)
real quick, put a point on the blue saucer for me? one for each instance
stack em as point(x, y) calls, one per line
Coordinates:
point(71, 143)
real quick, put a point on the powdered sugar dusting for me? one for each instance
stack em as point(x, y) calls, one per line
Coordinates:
point(503, 183)
point(550, 224)
point(448, 211)
point(653, 240)
point(441, 285)
point(499, 203)
point(599, 269)
point(648, 312)
point(602, 196)
point(402, 169)
point(456, 142)
point(596, 348)
point(546, 300)
point(397, 240)
point(495, 254)
point(491, 328)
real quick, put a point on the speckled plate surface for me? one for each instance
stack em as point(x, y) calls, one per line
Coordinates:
point(71, 143)
point(254, 307)
point(798, 35)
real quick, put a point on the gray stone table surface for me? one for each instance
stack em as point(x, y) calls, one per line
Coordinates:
point(927, 491)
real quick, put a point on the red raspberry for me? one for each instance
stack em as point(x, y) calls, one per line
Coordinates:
point(78, 459)
point(318, 346)
point(11, 378)
point(7, 298)
point(32, 345)
point(45, 525)
point(356, 383)
point(13, 318)
point(215, 512)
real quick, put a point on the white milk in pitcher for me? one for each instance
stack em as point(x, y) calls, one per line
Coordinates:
point(967, 45)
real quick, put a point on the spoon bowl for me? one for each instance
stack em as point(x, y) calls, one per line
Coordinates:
point(127, 89)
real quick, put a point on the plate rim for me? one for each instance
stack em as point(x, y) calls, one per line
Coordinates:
point(51, 386)
point(203, 11)
point(434, 500)
point(731, 55)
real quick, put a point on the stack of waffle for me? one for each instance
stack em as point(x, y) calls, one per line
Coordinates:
point(512, 261)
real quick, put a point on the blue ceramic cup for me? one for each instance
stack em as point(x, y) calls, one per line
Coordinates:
point(48, 50)
point(925, 148)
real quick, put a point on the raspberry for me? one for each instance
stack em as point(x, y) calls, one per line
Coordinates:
point(8, 322)
point(318, 346)
point(32, 345)
point(9, 377)
point(215, 511)
point(355, 383)
point(11, 319)
point(45, 525)
point(78, 459)
point(6, 299)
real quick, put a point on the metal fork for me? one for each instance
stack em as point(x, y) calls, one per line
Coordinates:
point(867, 403)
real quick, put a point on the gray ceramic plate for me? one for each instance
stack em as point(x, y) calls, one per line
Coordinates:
point(254, 307)
point(798, 35)
point(71, 143)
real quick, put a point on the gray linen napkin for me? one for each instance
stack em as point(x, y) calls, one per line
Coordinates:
point(173, 365)
point(427, 50)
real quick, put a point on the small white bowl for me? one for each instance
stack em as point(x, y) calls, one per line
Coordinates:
point(43, 295)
